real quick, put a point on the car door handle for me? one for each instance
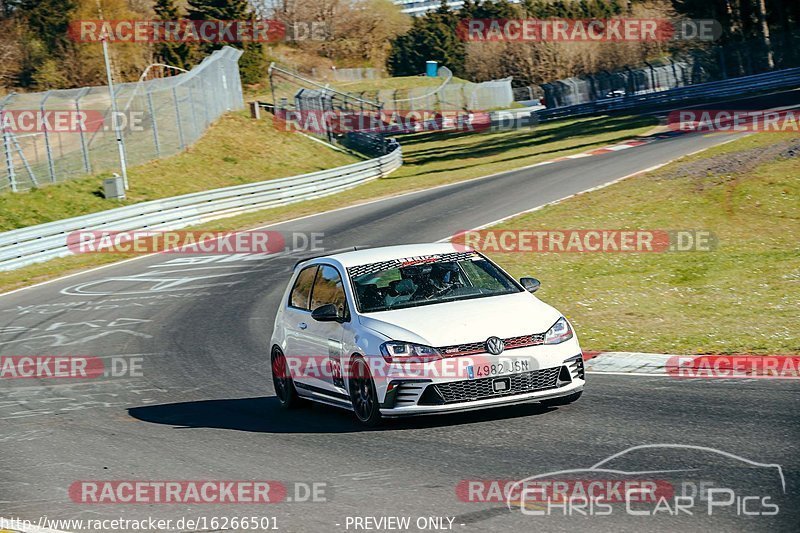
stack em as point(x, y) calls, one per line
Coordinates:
point(302, 325)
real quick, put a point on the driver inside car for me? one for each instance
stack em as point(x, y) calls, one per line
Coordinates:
point(441, 278)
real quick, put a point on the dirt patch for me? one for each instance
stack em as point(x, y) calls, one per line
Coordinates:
point(726, 165)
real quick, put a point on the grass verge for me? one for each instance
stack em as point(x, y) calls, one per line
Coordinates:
point(431, 159)
point(740, 298)
point(235, 150)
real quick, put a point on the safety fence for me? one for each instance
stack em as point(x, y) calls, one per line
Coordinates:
point(590, 88)
point(47, 241)
point(156, 118)
point(448, 96)
point(663, 100)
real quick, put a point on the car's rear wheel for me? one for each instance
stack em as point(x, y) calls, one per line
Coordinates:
point(282, 380)
point(563, 400)
point(363, 395)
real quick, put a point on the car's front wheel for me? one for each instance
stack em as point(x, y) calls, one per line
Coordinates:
point(563, 400)
point(282, 381)
point(363, 394)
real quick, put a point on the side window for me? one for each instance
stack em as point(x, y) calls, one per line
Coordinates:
point(301, 291)
point(328, 289)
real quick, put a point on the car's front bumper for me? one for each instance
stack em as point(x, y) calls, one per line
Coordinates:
point(425, 396)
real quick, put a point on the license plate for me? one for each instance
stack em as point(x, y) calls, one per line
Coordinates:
point(498, 368)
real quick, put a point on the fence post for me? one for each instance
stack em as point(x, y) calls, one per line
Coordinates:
point(197, 131)
point(47, 146)
point(178, 117)
point(155, 125)
point(84, 149)
point(9, 160)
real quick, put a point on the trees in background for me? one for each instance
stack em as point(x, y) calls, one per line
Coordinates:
point(174, 54)
point(252, 64)
point(757, 35)
point(37, 54)
point(349, 32)
point(431, 37)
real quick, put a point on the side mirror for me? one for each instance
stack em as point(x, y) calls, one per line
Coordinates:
point(531, 284)
point(325, 313)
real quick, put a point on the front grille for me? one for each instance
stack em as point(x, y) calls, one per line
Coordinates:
point(480, 389)
point(471, 348)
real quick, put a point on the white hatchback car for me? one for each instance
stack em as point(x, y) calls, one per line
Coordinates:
point(419, 329)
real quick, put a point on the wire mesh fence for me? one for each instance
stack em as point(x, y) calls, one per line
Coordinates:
point(733, 58)
point(448, 95)
point(55, 136)
point(628, 82)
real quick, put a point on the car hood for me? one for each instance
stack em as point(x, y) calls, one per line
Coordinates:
point(464, 321)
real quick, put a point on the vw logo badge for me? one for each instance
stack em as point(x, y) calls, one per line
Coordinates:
point(495, 345)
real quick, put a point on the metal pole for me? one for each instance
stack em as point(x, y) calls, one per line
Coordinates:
point(9, 161)
point(114, 119)
point(155, 126)
point(48, 148)
point(84, 148)
point(178, 117)
point(197, 131)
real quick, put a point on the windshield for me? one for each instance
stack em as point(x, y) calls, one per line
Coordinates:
point(425, 281)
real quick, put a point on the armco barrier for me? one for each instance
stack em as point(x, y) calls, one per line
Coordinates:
point(661, 100)
point(47, 241)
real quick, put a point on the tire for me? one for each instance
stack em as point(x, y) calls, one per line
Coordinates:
point(563, 400)
point(363, 395)
point(282, 381)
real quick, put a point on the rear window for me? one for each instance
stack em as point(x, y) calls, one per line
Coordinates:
point(301, 292)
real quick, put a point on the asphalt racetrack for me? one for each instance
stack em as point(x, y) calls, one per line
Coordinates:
point(204, 408)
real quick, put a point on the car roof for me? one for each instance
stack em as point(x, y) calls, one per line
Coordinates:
point(387, 253)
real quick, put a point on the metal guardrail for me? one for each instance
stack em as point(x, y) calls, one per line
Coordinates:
point(660, 100)
point(47, 241)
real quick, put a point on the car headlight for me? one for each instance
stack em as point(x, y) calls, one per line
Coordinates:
point(560, 332)
point(407, 352)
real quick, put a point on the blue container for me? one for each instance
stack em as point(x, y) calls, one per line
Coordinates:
point(430, 68)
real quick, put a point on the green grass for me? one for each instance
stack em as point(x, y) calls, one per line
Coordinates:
point(742, 297)
point(402, 83)
point(235, 150)
point(431, 159)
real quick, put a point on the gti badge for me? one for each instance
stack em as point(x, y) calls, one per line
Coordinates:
point(495, 345)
